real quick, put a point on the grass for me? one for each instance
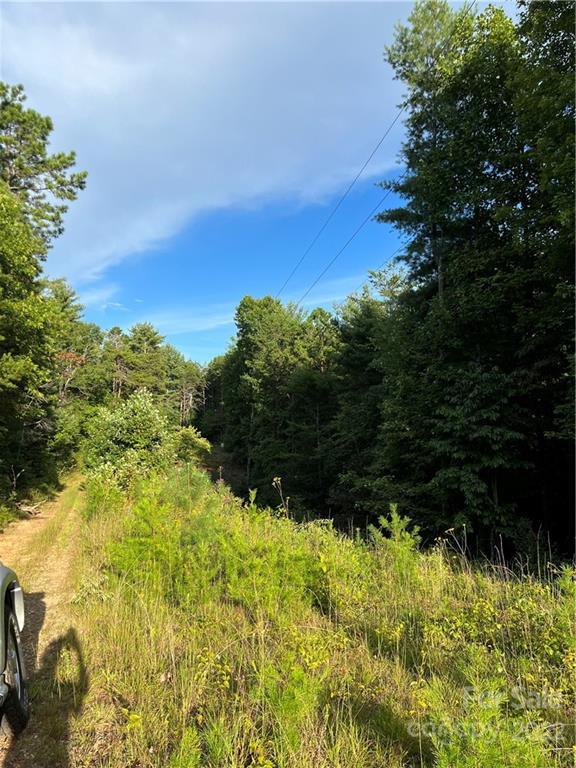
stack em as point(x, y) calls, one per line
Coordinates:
point(221, 635)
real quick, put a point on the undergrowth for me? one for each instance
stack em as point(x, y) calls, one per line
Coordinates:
point(222, 635)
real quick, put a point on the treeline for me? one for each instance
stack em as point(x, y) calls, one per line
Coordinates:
point(445, 387)
point(448, 387)
point(56, 369)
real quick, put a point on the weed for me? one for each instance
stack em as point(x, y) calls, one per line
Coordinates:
point(232, 636)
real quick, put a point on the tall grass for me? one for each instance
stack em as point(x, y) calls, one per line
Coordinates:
point(221, 635)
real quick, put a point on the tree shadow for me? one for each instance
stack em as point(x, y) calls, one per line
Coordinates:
point(58, 684)
point(380, 723)
point(35, 615)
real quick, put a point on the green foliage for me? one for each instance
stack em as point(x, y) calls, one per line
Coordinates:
point(468, 418)
point(133, 436)
point(190, 445)
point(35, 363)
point(56, 369)
point(24, 348)
point(448, 388)
point(189, 754)
point(485, 736)
point(270, 399)
point(36, 177)
point(126, 362)
point(273, 643)
point(400, 547)
point(103, 492)
point(151, 548)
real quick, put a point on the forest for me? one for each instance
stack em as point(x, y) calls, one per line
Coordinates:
point(445, 385)
point(345, 542)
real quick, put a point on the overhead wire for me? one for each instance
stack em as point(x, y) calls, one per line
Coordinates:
point(381, 266)
point(370, 215)
point(343, 248)
point(340, 201)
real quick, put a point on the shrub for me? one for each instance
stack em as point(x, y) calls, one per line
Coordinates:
point(134, 437)
point(103, 492)
point(190, 445)
point(264, 642)
point(484, 735)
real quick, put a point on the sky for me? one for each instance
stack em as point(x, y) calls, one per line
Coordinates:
point(217, 139)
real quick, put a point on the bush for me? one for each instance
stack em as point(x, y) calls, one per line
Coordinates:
point(133, 437)
point(103, 492)
point(190, 445)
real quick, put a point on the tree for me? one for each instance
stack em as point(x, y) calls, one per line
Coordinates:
point(448, 387)
point(488, 307)
point(36, 367)
point(271, 398)
point(133, 436)
point(76, 344)
point(24, 346)
point(29, 171)
point(115, 361)
point(267, 349)
point(184, 386)
point(76, 377)
point(145, 359)
point(211, 415)
point(359, 391)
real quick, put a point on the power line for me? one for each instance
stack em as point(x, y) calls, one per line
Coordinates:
point(340, 201)
point(346, 244)
point(367, 219)
point(381, 266)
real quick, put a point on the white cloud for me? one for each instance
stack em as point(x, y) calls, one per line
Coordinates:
point(178, 109)
point(175, 321)
point(97, 296)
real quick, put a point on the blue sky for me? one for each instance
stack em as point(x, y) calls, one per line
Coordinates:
point(217, 137)
point(189, 285)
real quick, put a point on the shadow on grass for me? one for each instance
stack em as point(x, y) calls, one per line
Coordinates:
point(35, 615)
point(381, 725)
point(57, 685)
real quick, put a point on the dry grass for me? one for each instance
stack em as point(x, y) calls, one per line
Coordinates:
point(219, 635)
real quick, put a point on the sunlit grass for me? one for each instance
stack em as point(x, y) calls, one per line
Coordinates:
point(220, 635)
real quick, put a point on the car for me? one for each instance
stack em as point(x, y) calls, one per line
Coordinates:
point(14, 699)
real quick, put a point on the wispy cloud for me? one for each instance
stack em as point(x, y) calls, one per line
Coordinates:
point(183, 320)
point(173, 322)
point(97, 296)
point(179, 109)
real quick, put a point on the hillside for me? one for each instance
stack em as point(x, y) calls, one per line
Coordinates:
point(215, 633)
point(172, 624)
point(228, 635)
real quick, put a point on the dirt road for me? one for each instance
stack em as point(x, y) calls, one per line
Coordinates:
point(43, 552)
